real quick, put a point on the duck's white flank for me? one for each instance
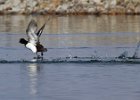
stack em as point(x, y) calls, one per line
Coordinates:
point(31, 47)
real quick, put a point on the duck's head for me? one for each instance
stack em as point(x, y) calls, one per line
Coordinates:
point(23, 41)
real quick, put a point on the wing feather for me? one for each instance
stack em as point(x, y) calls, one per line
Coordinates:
point(31, 32)
point(40, 30)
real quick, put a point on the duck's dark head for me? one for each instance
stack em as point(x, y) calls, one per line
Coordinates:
point(23, 41)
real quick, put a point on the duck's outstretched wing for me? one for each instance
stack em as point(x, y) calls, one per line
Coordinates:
point(31, 31)
point(40, 31)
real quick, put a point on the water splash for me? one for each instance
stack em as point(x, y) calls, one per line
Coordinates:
point(135, 55)
point(123, 55)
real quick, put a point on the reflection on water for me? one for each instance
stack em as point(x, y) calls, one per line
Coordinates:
point(73, 24)
point(87, 30)
point(33, 70)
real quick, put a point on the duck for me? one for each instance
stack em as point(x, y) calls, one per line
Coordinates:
point(33, 41)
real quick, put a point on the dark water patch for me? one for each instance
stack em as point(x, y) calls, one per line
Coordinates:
point(84, 47)
point(21, 48)
point(107, 60)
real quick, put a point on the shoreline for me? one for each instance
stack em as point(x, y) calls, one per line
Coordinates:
point(68, 14)
point(70, 7)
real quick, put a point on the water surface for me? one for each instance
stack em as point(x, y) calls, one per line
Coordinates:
point(70, 38)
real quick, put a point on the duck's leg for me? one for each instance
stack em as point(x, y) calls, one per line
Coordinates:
point(42, 55)
point(38, 56)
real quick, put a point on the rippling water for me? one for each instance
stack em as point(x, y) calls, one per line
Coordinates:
point(81, 61)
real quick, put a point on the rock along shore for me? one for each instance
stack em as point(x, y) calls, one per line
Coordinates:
point(112, 7)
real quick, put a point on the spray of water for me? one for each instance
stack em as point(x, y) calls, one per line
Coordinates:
point(135, 55)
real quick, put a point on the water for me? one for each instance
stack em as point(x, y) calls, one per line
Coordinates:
point(81, 62)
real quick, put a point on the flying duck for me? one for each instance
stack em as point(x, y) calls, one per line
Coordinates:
point(33, 35)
